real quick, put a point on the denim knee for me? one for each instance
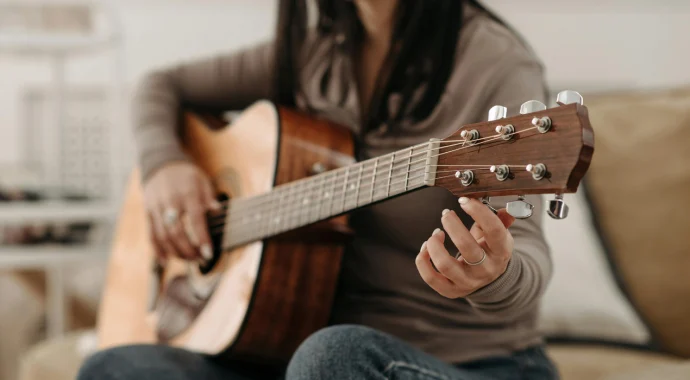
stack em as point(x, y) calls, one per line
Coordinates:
point(342, 352)
point(103, 365)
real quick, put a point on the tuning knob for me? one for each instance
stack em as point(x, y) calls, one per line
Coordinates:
point(532, 106)
point(520, 209)
point(557, 208)
point(497, 112)
point(569, 97)
point(487, 202)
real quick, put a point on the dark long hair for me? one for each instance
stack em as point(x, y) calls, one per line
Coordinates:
point(422, 51)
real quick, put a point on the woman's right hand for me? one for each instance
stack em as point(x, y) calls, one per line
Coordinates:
point(177, 198)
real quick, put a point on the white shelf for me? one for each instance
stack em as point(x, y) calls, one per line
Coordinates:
point(54, 44)
point(42, 256)
point(55, 211)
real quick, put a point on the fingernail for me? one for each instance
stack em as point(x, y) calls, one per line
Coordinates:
point(463, 200)
point(206, 252)
point(444, 212)
point(436, 231)
point(423, 246)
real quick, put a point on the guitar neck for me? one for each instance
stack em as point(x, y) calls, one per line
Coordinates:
point(297, 204)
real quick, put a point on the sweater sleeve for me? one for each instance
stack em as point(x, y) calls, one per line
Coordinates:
point(228, 82)
point(520, 287)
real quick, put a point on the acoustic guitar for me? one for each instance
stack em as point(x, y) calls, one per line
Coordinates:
point(287, 182)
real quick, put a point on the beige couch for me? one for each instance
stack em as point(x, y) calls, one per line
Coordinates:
point(640, 185)
point(639, 182)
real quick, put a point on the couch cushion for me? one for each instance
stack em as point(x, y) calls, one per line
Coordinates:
point(58, 359)
point(639, 183)
point(591, 362)
point(668, 371)
point(595, 309)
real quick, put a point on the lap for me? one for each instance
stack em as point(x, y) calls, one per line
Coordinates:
point(154, 362)
point(356, 352)
point(339, 352)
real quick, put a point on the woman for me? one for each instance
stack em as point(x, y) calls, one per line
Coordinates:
point(396, 72)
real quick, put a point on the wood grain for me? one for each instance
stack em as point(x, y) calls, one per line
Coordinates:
point(270, 295)
point(566, 150)
point(297, 281)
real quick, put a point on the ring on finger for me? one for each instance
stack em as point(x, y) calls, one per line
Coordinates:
point(170, 216)
point(479, 262)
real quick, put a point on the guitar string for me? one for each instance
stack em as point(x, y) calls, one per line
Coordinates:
point(333, 177)
point(297, 214)
point(319, 210)
point(220, 229)
point(294, 212)
point(474, 143)
point(252, 202)
point(289, 214)
point(346, 197)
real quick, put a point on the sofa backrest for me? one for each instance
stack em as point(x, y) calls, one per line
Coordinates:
point(639, 184)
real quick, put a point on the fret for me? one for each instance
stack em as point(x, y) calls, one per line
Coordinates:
point(305, 203)
point(407, 172)
point(359, 181)
point(347, 176)
point(373, 179)
point(390, 175)
point(335, 192)
point(293, 200)
point(331, 193)
point(279, 218)
point(319, 198)
point(268, 219)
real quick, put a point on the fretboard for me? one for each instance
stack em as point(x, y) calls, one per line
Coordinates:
point(320, 197)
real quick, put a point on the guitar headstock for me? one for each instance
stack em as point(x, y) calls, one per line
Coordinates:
point(539, 151)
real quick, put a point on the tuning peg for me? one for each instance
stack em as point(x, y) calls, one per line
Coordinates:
point(497, 112)
point(532, 106)
point(487, 202)
point(557, 208)
point(520, 209)
point(569, 97)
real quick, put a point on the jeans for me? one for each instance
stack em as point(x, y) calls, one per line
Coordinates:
point(341, 352)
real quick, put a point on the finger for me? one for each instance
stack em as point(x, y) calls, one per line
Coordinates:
point(161, 255)
point(495, 233)
point(506, 219)
point(461, 237)
point(208, 195)
point(197, 230)
point(176, 236)
point(435, 280)
point(444, 263)
point(476, 231)
point(162, 246)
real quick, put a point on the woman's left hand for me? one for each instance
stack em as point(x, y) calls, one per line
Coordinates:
point(488, 245)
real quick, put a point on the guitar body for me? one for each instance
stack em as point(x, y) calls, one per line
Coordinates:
point(274, 285)
point(259, 301)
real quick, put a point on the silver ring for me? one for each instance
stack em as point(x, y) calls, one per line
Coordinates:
point(477, 262)
point(170, 216)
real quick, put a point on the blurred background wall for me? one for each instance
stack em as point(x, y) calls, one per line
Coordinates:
point(588, 44)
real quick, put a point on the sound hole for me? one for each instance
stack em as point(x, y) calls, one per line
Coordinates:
point(217, 237)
